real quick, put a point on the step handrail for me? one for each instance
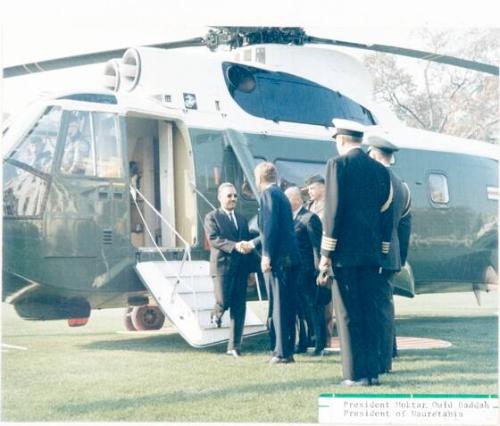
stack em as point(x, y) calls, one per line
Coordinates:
point(187, 250)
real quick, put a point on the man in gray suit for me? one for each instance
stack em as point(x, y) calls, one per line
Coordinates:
point(382, 151)
point(227, 232)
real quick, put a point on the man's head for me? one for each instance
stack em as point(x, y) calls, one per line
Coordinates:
point(227, 196)
point(265, 173)
point(294, 196)
point(348, 134)
point(73, 129)
point(381, 149)
point(315, 187)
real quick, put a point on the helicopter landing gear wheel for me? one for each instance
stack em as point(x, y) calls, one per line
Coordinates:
point(147, 317)
point(128, 319)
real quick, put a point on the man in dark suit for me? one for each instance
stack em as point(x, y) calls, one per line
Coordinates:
point(229, 263)
point(311, 318)
point(382, 150)
point(356, 235)
point(280, 261)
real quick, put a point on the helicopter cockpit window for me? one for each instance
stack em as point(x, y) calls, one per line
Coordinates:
point(108, 153)
point(279, 96)
point(438, 186)
point(24, 193)
point(37, 149)
point(78, 156)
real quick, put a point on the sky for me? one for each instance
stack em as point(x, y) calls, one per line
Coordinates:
point(37, 30)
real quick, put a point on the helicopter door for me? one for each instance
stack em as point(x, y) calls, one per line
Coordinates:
point(151, 161)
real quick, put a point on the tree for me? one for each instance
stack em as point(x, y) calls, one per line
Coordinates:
point(444, 98)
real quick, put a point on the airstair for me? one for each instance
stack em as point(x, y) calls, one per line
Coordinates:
point(184, 291)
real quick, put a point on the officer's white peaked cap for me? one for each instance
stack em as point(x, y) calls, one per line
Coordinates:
point(382, 143)
point(347, 127)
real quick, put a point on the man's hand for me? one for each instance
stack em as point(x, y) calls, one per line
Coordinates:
point(265, 264)
point(324, 263)
point(243, 247)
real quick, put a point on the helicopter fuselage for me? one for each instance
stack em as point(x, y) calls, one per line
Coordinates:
point(177, 125)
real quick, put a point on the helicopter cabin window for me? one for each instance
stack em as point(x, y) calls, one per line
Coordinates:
point(438, 186)
point(280, 96)
point(38, 147)
point(92, 145)
point(294, 173)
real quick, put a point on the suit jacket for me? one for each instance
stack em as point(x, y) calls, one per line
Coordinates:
point(223, 236)
point(277, 235)
point(401, 226)
point(358, 210)
point(308, 230)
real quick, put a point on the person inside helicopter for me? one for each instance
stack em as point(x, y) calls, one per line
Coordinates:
point(76, 159)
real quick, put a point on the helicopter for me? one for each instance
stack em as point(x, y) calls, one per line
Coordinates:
point(105, 191)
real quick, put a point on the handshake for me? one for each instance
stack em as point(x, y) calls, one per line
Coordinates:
point(244, 247)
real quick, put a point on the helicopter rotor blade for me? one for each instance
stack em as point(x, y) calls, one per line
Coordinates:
point(412, 53)
point(88, 58)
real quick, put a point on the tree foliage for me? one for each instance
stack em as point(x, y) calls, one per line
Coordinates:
point(444, 98)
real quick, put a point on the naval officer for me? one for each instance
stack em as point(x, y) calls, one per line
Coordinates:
point(356, 236)
point(382, 150)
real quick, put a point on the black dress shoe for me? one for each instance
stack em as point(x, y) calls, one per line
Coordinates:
point(214, 319)
point(234, 353)
point(281, 360)
point(374, 381)
point(361, 382)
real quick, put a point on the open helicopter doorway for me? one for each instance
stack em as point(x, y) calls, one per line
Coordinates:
point(151, 169)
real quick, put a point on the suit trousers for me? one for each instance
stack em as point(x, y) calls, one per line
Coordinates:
point(230, 293)
point(281, 285)
point(356, 293)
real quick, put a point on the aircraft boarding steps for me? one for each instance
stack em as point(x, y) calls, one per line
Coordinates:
point(188, 302)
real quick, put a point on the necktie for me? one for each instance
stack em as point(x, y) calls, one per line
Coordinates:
point(233, 219)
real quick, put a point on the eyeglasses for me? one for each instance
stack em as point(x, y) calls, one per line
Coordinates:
point(232, 195)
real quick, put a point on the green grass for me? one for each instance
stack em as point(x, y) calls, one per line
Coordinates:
point(95, 374)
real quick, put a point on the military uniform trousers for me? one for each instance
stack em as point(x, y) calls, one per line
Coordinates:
point(388, 347)
point(281, 287)
point(230, 293)
point(311, 318)
point(357, 291)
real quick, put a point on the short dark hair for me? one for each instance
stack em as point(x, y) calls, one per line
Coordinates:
point(314, 179)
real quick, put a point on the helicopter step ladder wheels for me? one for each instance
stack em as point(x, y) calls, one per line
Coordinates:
point(184, 292)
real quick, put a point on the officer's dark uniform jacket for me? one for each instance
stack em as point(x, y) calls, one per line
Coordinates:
point(308, 230)
point(401, 225)
point(358, 210)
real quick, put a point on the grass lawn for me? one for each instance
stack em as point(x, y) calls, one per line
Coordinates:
point(94, 373)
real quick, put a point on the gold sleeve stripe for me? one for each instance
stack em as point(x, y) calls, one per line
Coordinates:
point(328, 244)
point(389, 200)
point(385, 247)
